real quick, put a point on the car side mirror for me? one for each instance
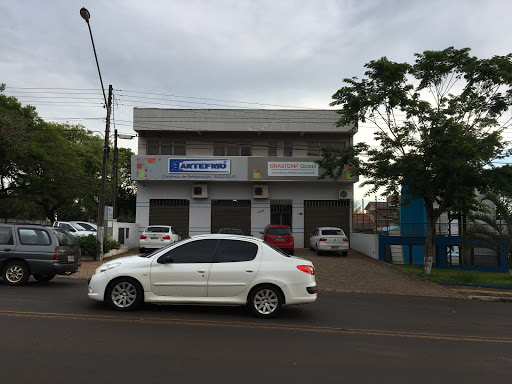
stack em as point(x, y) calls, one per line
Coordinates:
point(165, 259)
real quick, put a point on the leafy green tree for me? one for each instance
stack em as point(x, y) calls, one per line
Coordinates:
point(437, 125)
point(127, 188)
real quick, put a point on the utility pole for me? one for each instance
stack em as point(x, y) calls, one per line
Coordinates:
point(101, 200)
point(114, 177)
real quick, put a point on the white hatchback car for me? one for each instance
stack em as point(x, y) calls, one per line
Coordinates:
point(208, 269)
point(157, 236)
point(329, 239)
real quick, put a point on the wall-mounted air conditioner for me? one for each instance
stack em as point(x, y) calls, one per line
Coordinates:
point(260, 191)
point(343, 194)
point(199, 191)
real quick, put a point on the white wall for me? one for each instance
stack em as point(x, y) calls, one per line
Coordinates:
point(366, 243)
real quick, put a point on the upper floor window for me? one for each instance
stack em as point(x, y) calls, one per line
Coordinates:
point(232, 149)
point(288, 148)
point(314, 148)
point(272, 148)
point(166, 147)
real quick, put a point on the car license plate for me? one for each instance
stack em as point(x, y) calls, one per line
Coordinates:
point(71, 258)
point(154, 238)
point(279, 239)
point(335, 247)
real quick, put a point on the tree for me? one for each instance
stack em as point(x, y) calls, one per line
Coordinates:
point(127, 188)
point(437, 126)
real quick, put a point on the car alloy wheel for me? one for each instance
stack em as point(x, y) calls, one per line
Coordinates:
point(16, 273)
point(266, 301)
point(124, 295)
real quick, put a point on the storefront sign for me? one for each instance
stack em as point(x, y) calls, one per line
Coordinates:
point(290, 168)
point(200, 166)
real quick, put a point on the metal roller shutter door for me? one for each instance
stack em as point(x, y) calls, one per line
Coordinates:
point(326, 213)
point(231, 214)
point(173, 212)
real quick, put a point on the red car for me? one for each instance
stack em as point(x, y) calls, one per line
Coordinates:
point(279, 236)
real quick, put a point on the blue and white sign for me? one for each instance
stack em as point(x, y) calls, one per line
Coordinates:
point(203, 166)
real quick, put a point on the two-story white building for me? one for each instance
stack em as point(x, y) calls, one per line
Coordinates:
point(200, 170)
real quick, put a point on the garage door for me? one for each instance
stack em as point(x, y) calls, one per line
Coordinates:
point(231, 214)
point(173, 212)
point(326, 213)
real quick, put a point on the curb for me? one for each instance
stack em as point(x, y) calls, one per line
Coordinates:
point(477, 285)
point(495, 299)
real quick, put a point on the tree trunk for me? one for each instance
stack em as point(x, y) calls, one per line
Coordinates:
point(430, 242)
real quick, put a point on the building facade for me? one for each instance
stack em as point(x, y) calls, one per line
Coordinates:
point(200, 170)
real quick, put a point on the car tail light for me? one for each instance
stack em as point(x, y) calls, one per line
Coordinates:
point(56, 255)
point(166, 237)
point(345, 239)
point(143, 237)
point(323, 239)
point(307, 268)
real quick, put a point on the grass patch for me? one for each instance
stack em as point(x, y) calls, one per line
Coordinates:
point(458, 276)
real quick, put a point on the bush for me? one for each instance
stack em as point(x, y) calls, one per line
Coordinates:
point(90, 246)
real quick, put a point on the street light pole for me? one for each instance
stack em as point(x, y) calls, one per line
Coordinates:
point(108, 103)
point(114, 177)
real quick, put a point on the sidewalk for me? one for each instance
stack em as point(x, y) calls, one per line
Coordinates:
point(356, 273)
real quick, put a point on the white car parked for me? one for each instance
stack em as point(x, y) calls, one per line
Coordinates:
point(329, 239)
point(157, 236)
point(208, 269)
point(74, 228)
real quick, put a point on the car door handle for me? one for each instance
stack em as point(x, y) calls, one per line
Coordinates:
point(249, 270)
point(7, 249)
point(201, 271)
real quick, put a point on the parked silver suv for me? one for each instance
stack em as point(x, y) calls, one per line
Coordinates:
point(28, 249)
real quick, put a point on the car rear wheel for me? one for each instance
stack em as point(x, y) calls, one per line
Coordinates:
point(44, 276)
point(317, 252)
point(15, 273)
point(125, 294)
point(142, 250)
point(265, 301)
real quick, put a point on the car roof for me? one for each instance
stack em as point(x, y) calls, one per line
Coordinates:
point(277, 226)
point(156, 225)
point(330, 228)
point(227, 236)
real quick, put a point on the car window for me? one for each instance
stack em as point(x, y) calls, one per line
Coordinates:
point(157, 229)
point(278, 250)
point(236, 250)
point(174, 231)
point(6, 236)
point(332, 232)
point(198, 251)
point(87, 227)
point(33, 236)
point(279, 231)
point(64, 238)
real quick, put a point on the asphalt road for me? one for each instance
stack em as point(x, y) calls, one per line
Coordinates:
point(52, 333)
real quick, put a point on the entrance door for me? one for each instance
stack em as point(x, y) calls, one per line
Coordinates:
point(231, 214)
point(174, 212)
point(326, 213)
point(281, 212)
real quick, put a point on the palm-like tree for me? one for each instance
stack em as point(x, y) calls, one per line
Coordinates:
point(493, 232)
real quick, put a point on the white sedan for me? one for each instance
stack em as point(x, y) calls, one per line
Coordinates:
point(208, 269)
point(157, 236)
point(329, 239)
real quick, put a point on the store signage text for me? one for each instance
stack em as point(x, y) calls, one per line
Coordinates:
point(203, 166)
point(292, 168)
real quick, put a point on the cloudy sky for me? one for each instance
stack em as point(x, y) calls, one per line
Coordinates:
point(220, 53)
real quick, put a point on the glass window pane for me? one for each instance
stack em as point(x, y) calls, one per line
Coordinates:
point(34, 237)
point(272, 148)
point(6, 236)
point(232, 150)
point(219, 149)
point(313, 149)
point(236, 251)
point(179, 147)
point(199, 251)
point(166, 147)
point(153, 147)
point(339, 144)
point(288, 148)
point(245, 149)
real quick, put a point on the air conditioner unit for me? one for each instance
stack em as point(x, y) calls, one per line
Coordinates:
point(344, 194)
point(260, 191)
point(199, 191)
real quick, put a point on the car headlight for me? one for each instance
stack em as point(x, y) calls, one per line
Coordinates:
point(106, 267)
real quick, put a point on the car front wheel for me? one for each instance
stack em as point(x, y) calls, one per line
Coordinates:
point(265, 301)
point(16, 273)
point(125, 294)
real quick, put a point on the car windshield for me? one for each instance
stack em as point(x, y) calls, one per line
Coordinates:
point(279, 231)
point(88, 227)
point(148, 255)
point(332, 232)
point(79, 227)
point(158, 229)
